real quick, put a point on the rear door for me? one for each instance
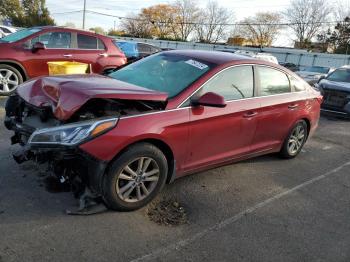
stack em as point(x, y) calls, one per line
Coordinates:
point(220, 134)
point(279, 108)
point(90, 50)
point(58, 47)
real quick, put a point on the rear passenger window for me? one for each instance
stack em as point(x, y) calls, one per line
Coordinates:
point(272, 81)
point(297, 85)
point(87, 42)
point(233, 83)
point(100, 44)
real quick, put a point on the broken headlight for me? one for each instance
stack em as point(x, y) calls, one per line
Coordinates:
point(72, 134)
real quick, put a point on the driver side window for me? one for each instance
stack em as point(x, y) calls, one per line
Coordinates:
point(57, 40)
point(233, 83)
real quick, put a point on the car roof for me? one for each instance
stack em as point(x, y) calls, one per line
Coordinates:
point(215, 57)
point(48, 27)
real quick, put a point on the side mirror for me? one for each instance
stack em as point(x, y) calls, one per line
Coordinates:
point(37, 46)
point(210, 99)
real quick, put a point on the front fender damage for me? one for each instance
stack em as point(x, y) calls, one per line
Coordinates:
point(69, 165)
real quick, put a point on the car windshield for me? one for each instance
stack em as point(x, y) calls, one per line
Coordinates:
point(165, 72)
point(19, 35)
point(316, 69)
point(340, 75)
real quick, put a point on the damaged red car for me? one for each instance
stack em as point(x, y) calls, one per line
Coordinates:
point(120, 139)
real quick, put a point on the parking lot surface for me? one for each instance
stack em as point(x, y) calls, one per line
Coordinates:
point(264, 209)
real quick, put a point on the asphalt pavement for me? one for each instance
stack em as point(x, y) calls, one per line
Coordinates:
point(264, 209)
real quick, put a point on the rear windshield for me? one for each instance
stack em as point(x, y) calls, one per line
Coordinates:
point(19, 35)
point(165, 72)
point(340, 75)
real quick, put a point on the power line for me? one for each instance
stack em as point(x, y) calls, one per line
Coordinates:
point(217, 24)
point(68, 12)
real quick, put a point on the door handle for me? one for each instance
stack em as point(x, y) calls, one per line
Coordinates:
point(67, 55)
point(103, 54)
point(250, 114)
point(293, 106)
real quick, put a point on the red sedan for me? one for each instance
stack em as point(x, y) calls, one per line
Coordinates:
point(122, 138)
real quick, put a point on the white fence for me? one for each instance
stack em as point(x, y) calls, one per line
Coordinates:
point(298, 57)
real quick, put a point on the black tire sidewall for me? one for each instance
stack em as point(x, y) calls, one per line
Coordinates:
point(18, 74)
point(285, 151)
point(110, 195)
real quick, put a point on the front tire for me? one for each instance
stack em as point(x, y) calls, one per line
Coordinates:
point(135, 177)
point(295, 140)
point(10, 78)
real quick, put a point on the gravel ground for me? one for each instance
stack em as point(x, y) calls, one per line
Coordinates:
point(264, 209)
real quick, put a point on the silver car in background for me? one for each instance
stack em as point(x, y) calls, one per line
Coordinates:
point(312, 74)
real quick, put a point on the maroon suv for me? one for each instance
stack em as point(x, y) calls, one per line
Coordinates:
point(24, 54)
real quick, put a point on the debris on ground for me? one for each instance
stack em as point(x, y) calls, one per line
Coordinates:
point(53, 185)
point(167, 212)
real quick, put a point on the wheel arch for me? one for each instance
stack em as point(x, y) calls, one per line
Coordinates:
point(16, 65)
point(308, 123)
point(162, 146)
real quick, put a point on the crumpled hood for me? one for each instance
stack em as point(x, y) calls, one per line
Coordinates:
point(332, 85)
point(66, 94)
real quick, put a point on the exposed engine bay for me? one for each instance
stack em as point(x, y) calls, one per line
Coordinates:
point(32, 125)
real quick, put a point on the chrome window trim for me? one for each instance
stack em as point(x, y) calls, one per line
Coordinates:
point(189, 97)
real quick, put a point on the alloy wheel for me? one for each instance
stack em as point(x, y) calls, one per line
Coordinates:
point(8, 80)
point(137, 179)
point(296, 140)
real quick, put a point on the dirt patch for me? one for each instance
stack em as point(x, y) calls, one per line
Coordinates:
point(167, 212)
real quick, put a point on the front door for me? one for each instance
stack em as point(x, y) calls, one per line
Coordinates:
point(58, 46)
point(220, 134)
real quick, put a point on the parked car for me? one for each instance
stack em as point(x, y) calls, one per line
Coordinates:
point(312, 74)
point(335, 89)
point(25, 53)
point(165, 116)
point(135, 50)
point(7, 30)
point(290, 66)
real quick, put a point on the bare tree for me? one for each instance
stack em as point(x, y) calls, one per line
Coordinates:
point(306, 18)
point(186, 17)
point(213, 22)
point(341, 10)
point(135, 26)
point(261, 29)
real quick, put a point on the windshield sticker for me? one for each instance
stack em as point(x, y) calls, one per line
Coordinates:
point(197, 64)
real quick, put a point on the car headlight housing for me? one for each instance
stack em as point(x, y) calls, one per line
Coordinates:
point(72, 134)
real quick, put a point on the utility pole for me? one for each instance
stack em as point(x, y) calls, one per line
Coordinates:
point(84, 12)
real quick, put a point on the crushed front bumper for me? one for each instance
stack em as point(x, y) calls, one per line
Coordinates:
point(69, 164)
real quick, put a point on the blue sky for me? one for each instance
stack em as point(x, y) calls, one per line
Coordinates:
point(240, 8)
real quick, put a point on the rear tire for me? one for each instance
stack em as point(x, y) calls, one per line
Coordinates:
point(10, 78)
point(295, 140)
point(135, 177)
